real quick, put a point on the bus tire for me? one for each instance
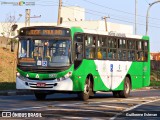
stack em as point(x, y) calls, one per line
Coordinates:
point(84, 95)
point(115, 94)
point(40, 96)
point(127, 88)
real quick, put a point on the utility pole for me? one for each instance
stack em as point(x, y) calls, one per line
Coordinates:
point(105, 20)
point(27, 20)
point(59, 12)
point(150, 5)
point(135, 16)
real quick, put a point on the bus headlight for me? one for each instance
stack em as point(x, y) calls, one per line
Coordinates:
point(69, 74)
point(20, 76)
point(17, 74)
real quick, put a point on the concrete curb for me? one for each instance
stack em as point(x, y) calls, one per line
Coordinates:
point(147, 88)
point(152, 87)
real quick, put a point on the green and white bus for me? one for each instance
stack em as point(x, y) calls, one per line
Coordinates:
point(74, 60)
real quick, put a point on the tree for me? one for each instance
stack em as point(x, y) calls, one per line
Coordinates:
point(9, 26)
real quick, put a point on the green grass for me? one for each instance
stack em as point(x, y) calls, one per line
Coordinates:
point(155, 83)
point(7, 86)
point(155, 75)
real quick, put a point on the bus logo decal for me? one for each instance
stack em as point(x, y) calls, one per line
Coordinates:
point(119, 68)
point(44, 63)
point(111, 67)
point(27, 75)
point(52, 75)
point(37, 76)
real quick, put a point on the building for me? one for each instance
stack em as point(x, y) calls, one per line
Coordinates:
point(155, 61)
point(155, 56)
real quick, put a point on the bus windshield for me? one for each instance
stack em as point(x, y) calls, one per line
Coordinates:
point(44, 53)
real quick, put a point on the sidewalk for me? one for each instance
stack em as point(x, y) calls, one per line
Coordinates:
point(27, 92)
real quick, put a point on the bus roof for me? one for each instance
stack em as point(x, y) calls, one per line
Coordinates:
point(94, 31)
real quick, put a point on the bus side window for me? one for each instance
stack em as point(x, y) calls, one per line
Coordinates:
point(145, 48)
point(104, 54)
point(120, 54)
point(90, 46)
point(140, 56)
point(131, 55)
point(112, 53)
point(99, 53)
point(145, 56)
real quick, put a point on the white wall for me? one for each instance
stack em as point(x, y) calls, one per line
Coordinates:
point(93, 25)
point(73, 14)
point(100, 25)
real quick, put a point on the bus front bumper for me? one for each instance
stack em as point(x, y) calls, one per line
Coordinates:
point(28, 84)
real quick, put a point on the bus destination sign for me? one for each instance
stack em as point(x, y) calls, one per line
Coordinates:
point(44, 32)
point(47, 32)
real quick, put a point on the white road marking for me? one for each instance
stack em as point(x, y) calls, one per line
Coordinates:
point(80, 110)
point(108, 106)
point(136, 90)
point(90, 103)
point(26, 108)
point(131, 108)
point(136, 100)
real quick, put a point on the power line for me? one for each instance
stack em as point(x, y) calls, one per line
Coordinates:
point(115, 18)
point(117, 10)
point(147, 2)
point(89, 11)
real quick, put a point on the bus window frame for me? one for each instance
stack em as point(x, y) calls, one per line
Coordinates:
point(106, 47)
point(74, 47)
point(95, 45)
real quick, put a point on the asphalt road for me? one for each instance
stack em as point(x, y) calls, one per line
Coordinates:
point(141, 104)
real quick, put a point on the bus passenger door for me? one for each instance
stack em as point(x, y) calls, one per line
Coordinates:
point(78, 50)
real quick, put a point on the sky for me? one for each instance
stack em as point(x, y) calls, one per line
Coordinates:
point(119, 11)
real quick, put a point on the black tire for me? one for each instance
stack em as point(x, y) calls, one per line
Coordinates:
point(84, 95)
point(40, 96)
point(115, 94)
point(127, 88)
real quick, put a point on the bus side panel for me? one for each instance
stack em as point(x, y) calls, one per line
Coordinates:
point(148, 64)
point(120, 87)
point(80, 74)
point(140, 72)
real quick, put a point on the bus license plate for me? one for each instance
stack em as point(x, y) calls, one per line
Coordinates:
point(41, 84)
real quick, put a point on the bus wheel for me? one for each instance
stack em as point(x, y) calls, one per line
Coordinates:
point(127, 87)
point(84, 95)
point(115, 94)
point(40, 96)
